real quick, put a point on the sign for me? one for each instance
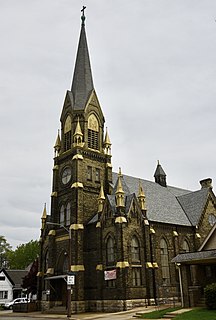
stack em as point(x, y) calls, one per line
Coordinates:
point(71, 279)
point(110, 274)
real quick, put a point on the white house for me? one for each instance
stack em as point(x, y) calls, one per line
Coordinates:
point(10, 284)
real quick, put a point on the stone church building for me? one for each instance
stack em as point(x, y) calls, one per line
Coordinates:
point(114, 233)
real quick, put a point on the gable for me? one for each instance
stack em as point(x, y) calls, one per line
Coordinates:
point(5, 280)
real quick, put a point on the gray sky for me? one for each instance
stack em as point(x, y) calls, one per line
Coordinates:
point(153, 64)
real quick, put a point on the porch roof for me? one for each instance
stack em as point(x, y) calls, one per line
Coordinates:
point(198, 257)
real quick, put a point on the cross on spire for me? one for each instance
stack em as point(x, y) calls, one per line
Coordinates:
point(83, 15)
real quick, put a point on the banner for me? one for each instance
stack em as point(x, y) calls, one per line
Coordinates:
point(110, 274)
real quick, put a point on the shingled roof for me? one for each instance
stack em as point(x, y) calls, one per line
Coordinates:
point(167, 204)
point(82, 83)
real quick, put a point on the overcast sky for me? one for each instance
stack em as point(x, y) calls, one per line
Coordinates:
point(153, 64)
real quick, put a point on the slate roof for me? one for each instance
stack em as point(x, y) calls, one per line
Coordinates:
point(195, 256)
point(167, 204)
point(82, 83)
point(193, 204)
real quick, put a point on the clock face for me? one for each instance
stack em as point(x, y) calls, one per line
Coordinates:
point(211, 219)
point(66, 175)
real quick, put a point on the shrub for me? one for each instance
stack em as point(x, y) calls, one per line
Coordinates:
point(210, 296)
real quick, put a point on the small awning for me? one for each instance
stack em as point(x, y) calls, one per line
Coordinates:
point(61, 276)
point(198, 257)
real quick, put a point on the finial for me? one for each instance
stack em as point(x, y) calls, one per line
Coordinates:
point(120, 173)
point(158, 162)
point(83, 16)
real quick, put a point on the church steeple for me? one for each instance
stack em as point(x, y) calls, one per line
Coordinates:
point(82, 83)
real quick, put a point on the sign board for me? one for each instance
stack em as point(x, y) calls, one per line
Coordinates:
point(110, 275)
point(71, 279)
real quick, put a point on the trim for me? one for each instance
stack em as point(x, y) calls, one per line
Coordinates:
point(54, 194)
point(77, 157)
point(99, 267)
point(50, 271)
point(109, 165)
point(149, 265)
point(77, 267)
point(52, 233)
point(76, 226)
point(122, 264)
point(77, 185)
point(120, 220)
point(98, 225)
point(63, 238)
point(56, 167)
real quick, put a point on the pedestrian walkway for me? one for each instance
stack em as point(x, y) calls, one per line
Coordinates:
point(129, 314)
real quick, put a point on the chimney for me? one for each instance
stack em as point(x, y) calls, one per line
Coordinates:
point(206, 183)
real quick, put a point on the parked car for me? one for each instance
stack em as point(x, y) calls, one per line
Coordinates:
point(9, 305)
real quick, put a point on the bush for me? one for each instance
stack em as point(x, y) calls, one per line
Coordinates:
point(210, 296)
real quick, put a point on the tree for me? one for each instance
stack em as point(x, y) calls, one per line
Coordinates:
point(5, 249)
point(24, 255)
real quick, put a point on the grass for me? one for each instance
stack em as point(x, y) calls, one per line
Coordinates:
point(198, 314)
point(157, 314)
point(195, 314)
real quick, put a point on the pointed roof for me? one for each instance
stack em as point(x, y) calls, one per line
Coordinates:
point(107, 139)
point(58, 142)
point(159, 170)
point(82, 83)
point(78, 130)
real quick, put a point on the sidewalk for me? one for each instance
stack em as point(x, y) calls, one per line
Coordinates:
point(79, 316)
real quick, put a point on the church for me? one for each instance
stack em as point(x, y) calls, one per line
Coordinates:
point(110, 238)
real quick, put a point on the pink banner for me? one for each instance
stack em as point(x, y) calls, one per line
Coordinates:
point(110, 274)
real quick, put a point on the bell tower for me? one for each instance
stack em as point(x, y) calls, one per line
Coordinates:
point(82, 166)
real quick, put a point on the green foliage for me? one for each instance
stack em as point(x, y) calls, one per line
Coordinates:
point(210, 295)
point(23, 255)
point(5, 248)
point(197, 314)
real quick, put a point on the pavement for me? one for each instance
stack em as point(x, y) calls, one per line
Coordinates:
point(88, 315)
point(129, 314)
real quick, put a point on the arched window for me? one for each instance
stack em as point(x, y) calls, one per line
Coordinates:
point(62, 215)
point(135, 250)
point(93, 132)
point(67, 134)
point(46, 261)
point(68, 214)
point(65, 265)
point(164, 261)
point(110, 250)
point(185, 246)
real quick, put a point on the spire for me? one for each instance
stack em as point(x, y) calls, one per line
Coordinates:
point(141, 197)
point(107, 143)
point(160, 175)
point(119, 191)
point(78, 135)
point(101, 199)
point(82, 83)
point(57, 146)
point(44, 216)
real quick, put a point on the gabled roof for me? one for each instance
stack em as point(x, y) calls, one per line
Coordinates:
point(161, 202)
point(193, 204)
point(17, 277)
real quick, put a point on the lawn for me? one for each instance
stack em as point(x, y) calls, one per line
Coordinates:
point(196, 314)
point(158, 313)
